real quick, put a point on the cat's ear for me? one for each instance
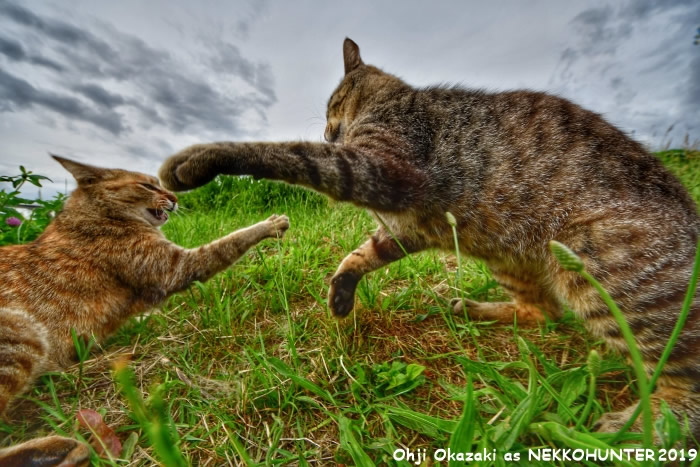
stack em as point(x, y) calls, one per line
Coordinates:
point(351, 55)
point(84, 174)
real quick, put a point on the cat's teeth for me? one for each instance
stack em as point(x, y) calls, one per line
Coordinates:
point(159, 214)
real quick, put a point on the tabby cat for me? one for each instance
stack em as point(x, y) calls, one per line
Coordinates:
point(517, 169)
point(102, 260)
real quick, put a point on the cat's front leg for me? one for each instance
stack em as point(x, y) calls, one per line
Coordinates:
point(384, 180)
point(230, 248)
point(376, 252)
point(200, 264)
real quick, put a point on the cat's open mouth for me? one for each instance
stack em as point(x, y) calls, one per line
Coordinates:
point(159, 214)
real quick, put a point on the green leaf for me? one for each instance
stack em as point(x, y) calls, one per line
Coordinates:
point(350, 444)
point(462, 438)
point(129, 446)
point(566, 257)
point(667, 426)
point(287, 372)
point(155, 420)
point(426, 424)
point(414, 370)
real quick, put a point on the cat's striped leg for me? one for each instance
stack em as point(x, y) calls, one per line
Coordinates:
point(647, 277)
point(23, 348)
point(380, 250)
point(531, 301)
point(50, 451)
point(204, 262)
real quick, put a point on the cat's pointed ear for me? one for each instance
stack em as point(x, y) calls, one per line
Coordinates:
point(351, 55)
point(84, 174)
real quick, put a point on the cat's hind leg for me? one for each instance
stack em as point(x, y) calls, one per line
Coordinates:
point(531, 301)
point(54, 451)
point(684, 404)
point(380, 250)
point(23, 350)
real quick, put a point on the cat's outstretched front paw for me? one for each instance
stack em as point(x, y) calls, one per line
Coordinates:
point(192, 167)
point(341, 297)
point(278, 225)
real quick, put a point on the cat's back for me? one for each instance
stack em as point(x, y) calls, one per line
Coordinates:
point(540, 144)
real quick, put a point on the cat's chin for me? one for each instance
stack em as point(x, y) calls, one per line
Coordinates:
point(157, 217)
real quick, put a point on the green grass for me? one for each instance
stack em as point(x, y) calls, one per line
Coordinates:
point(251, 367)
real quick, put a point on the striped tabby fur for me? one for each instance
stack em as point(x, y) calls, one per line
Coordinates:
point(101, 261)
point(517, 169)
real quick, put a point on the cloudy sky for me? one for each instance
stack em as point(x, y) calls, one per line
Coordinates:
point(125, 84)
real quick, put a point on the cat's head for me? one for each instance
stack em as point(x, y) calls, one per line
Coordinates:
point(119, 193)
point(359, 87)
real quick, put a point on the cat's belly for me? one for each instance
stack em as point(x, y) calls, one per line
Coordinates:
point(475, 238)
point(429, 230)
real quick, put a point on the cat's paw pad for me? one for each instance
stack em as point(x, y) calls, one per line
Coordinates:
point(341, 297)
point(48, 451)
point(278, 225)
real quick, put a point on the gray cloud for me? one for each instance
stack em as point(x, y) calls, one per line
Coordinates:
point(12, 49)
point(641, 9)
point(598, 31)
point(692, 86)
point(15, 52)
point(229, 60)
point(602, 30)
point(599, 55)
point(57, 30)
point(99, 95)
point(242, 24)
point(16, 94)
point(159, 89)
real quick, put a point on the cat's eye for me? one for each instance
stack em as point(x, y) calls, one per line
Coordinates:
point(149, 186)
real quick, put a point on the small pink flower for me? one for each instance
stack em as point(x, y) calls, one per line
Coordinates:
point(13, 221)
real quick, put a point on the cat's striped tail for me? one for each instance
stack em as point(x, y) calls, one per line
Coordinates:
point(23, 349)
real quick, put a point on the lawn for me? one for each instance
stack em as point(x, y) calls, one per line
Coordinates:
point(252, 368)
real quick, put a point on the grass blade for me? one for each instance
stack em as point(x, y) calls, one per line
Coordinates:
point(351, 445)
point(287, 372)
point(422, 423)
point(463, 436)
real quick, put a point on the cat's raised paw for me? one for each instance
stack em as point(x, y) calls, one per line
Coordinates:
point(189, 168)
point(279, 224)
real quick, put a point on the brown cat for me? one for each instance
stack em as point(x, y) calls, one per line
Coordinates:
point(101, 261)
point(516, 169)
